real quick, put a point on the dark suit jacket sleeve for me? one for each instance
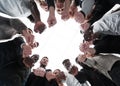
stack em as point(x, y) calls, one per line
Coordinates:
point(81, 76)
point(50, 3)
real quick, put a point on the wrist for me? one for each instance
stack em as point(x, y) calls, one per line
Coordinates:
point(45, 74)
point(22, 45)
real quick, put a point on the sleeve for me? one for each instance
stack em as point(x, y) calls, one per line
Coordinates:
point(30, 79)
point(50, 3)
point(99, 10)
point(18, 25)
point(87, 6)
point(71, 80)
point(53, 83)
point(17, 45)
point(81, 76)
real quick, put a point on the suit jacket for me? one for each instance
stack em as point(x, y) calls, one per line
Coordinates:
point(34, 80)
point(10, 27)
point(12, 70)
point(107, 44)
point(94, 77)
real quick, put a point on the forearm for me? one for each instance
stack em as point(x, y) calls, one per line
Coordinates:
point(50, 3)
point(51, 11)
point(18, 25)
point(34, 11)
point(67, 5)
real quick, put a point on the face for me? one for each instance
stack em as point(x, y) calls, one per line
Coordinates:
point(56, 72)
point(59, 7)
point(88, 35)
point(44, 5)
point(44, 61)
point(67, 65)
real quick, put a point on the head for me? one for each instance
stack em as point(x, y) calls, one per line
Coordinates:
point(60, 76)
point(67, 64)
point(80, 58)
point(88, 34)
point(35, 57)
point(59, 4)
point(74, 70)
point(34, 45)
point(56, 71)
point(44, 62)
point(43, 5)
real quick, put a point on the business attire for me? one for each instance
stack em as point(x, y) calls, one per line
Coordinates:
point(93, 76)
point(12, 70)
point(10, 27)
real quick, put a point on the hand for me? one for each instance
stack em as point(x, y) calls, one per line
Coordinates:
point(61, 76)
point(39, 72)
point(85, 25)
point(39, 27)
point(82, 58)
point(50, 75)
point(28, 36)
point(28, 62)
point(51, 21)
point(90, 52)
point(65, 15)
point(73, 9)
point(27, 50)
point(79, 17)
point(84, 46)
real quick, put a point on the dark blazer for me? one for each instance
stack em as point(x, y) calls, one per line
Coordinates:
point(94, 77)
point(107, 44)
point(12, 70)
point(34, 80)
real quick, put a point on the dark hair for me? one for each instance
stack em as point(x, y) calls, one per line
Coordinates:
point(88, 34)
point(35, 57)
point(45, 57)
point(64, 61)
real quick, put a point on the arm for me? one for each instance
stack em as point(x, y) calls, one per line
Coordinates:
point(18, 25)
point(51, 19)
point(21, 28)
point(99, 10)
point(35, 11)
point(65, 14)
point(39, 25)
point(87, 6)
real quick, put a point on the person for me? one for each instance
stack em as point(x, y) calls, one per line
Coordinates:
point(110, 69)
point(93, 10)
point(91, 74)
point(11, 26)
point(41, 75)
point(24, 8)
point(86, 9)
point(43, 4)
point(102, 44)
point(13, 71)
point(66, 77)
point(109, 24)
point(72, 69)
